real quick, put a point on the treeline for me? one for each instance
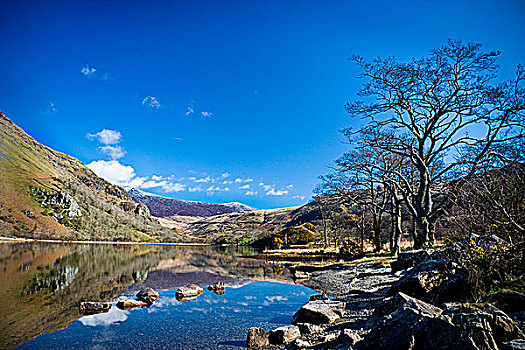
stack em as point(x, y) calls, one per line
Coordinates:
point(439, 150)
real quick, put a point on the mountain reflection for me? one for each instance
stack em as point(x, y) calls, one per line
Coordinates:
point(43, 284)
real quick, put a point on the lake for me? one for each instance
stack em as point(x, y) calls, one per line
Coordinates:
point(42, 285)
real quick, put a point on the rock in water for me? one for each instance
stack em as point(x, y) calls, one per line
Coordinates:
point(217, 288)
point(91, 307)
point(319, 312)
point(284, 335)
point(130, 304)
point(147, 295)
point(189, 292)
point(257, 338)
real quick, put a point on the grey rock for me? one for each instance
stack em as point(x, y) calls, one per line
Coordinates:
point(147, 295)
point(319, 312)
point(411, 258)
point(309, 328)
point(93, 307)
point(348, 336)
point(284, 335)
point(257, 338)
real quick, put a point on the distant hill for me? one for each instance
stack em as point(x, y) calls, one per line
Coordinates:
point(48, 194)
point(167, 207)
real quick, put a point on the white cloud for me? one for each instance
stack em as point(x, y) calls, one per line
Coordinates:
point(174, 187)
point(268, 187)
point(206, 114)
point(273, 192)
point(204, 180)
point(114, 172)
point(189, 111)
point(239, 180)
point(195, 189)
point(261, 183)
point(51, 109)
point(251, 193)
point(225, 175)
point(289, 186)
point(299, 197)
point(156, 177)
point(244, 187)
point(212, 189)
point(106, 136)
point(152, 102)
point(88, 71)
point(114, 152)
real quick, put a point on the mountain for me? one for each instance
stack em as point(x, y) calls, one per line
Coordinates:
point(168, 207)
point(48, 194)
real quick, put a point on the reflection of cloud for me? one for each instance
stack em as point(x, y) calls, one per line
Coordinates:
point(164, 302)
point(276, 298)
point(106, 319)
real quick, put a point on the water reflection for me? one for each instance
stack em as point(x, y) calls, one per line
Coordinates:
point(43, 284)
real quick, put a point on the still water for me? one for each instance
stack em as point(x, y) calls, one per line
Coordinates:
point(42, 285)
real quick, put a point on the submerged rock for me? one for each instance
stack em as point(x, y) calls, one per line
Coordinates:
point(189, 292)
point(257, 338)
point(93, 307)
point(284, 335)
point(319, 312)
point(147, 295)
point(126, 304)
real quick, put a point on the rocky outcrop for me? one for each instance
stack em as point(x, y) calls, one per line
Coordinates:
point(319, 312)
point(284, 335)
point(433, 280)
point(147, 295)
point(257, 338)
point(92, 307)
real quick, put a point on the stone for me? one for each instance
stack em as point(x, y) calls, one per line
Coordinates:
point(188, 292)
point(410, 258)
point(93, 307)
point(257, 338)
point(126, 304)
point(433, 280)
point(348, 336)
point(217, 288)
point(284, 335)
point(309, 328)
point(320, 312)
point(147, 295)
point(301, 275)
point(318, 297)
point(300, 344)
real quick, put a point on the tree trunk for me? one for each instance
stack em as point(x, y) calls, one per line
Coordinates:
point(398, 230)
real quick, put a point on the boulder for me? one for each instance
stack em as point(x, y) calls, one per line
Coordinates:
point(411, 258)
point(403, 322)
point(147, 295)
point(284, 335)
point(300, 344)
point(188, 292)
point(308, 328)
point(257, 338)
point(93, 307)
point(318, 297)
point(130, 304)
point(217, 288)
point(301, 275)
point(433, 280)
point(348, 337)
point(319, 312)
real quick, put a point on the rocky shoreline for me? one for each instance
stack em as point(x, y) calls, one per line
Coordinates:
point(416, 303)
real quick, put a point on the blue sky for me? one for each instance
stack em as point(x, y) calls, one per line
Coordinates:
point(217, 101)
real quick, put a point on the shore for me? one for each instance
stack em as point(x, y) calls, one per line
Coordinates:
point(24, 240)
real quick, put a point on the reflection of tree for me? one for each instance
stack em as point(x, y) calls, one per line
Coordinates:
point(42, 284)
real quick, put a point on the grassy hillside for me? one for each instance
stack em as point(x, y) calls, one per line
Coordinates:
point(48, 194)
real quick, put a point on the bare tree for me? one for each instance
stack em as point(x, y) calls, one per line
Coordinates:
point(431, 108)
